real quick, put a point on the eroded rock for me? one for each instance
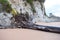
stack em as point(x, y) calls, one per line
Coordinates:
point(5, 19)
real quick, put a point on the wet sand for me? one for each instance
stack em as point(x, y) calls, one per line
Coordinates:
point(27, 34)
point(56, 24)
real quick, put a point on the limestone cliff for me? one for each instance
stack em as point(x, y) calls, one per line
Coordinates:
point(33, 8)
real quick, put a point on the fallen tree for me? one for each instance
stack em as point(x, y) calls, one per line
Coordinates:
point(21, 21)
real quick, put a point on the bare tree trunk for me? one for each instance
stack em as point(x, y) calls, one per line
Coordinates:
point(22, 22)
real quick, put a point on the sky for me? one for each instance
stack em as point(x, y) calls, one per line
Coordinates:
point(52, 6)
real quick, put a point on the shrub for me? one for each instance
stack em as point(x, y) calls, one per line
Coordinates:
point(30, 1)
point(6, 5)
point(32, 6)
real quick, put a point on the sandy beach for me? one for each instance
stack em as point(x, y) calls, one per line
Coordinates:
point(56, 24)
point(27, 34)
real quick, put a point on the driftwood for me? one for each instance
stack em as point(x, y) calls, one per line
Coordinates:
point(21, 21)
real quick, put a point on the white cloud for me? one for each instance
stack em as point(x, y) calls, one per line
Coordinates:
point(53, 6)
point(50, 3)
point(57, 14)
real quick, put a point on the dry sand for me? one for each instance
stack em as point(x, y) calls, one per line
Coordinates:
point(27, 34)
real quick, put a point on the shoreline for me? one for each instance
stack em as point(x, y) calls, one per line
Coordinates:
point(27, 34)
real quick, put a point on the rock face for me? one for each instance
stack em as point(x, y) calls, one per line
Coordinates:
point(52, 18)
point(35, 10)
point(5, 19)
point(22, 6)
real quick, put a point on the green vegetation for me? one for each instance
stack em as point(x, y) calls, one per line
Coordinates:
point(25, 4)
point(6, 5)
point(14, 12)
point(41, 5)
point(41, 1)
point(45, 14)
point(30, 1)
point(32, 6)
point(3, 1)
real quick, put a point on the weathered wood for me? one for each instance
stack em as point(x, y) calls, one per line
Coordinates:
point(23, 22)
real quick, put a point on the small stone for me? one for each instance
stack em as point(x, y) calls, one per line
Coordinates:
point(15, 22)
point(19, 26)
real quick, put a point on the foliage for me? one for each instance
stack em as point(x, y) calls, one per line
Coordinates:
point(30, 1)
point(3, 1)
point(14, 12)
point(6, 5)
point(41, 0)
point(32, 6)
point(33, 9)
